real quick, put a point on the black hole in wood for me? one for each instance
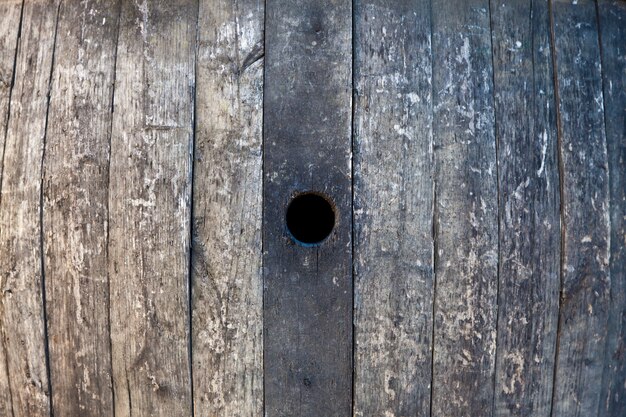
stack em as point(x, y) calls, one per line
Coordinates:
point(310, 218)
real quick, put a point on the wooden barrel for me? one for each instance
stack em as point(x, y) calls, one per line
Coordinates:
point(312, 208)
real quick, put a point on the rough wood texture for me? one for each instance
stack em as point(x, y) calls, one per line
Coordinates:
point(466, 224)
point(10, 19)
point(393, 208)
point(226, 254)
point(530, 236)
point(75, 198)
point(149, 208)
point(308, 290)
point(585, 280)
point(22, 313)
point(612, 22)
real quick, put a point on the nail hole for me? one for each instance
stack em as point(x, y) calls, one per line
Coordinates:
point(310, 218)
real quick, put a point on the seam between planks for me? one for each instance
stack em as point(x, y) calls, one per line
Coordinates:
point(41, 216)
point(498, 205)
point(191, 205)
point(559, 137)
point(108, 219)
point(435, 220)
point(353, 97)
point(6, 129)
point(262, 260)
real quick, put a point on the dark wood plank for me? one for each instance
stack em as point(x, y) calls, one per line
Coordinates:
point(612, 15)
point(226, 255)
point(75, 197)
point(530, 236)
point(307, 129)
point(149, 208)
point(22, 313)
point(10, 20)
point(466, 235)
point(585, 211)
point(393, 208)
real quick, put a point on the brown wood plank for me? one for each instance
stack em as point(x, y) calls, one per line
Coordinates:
point(307, 147)
point(226, 254)
point(466, 224)
point(22, 314)
point(10, 21)
point(75, 198)
point(585, 280)
point(149, 208)
point(393, 208)
point(530, 235)
point(612, 21)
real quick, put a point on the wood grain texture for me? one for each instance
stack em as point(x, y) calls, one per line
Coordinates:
point(22, 314)
point(75, 198)
point(393, 208)
point(466, 224)
point(530, 234)
point(226, 253)
point(307, 147)
point(612, 21)
point(10, 20)
point(585, 211)
point(149, 208)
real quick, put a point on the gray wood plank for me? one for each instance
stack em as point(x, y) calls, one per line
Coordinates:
point(149, 208)
point(612, 15)
point(10, 21)
point(22, 314)
point(227, 283)
point(466, 224)
point(393, 208)
point(585, 211)
point(307, 137)
point(75, 198)
point(530, 235)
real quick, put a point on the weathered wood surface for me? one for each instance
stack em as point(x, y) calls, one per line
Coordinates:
point(466, 210)
point(75, 208)
point(142, 208)
point(227, 283)
point(149, 208)
point(528, 207)
point(307, 147)
point(22, 314)
point(10, 16)
point(585, 282)
point(393, 208)
point(612, 20)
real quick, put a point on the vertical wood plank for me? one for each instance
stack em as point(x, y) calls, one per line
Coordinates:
point(10, 21)
point(149, 208)
point(585, 210)
point(307, 147)
point(75, 197)
point(466, 236)
point(226, 253)
point(393, 208)
point(612, 15)
point(22, 314)
point(528, 208)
